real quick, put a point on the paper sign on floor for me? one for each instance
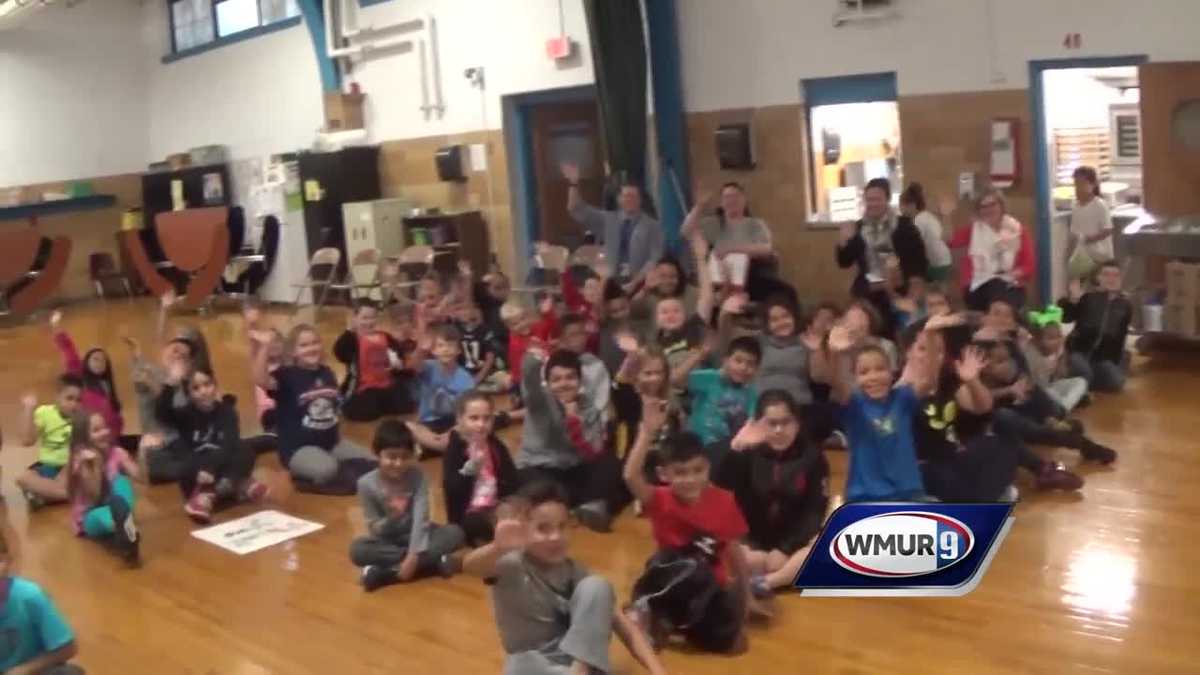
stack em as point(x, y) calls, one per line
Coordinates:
point(256, 531)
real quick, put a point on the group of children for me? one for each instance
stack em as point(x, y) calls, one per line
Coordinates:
point(709, 415)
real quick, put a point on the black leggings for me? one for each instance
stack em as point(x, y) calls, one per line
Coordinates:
point(597, 480)
point(369, 405)
point(980, 472)
point(235, 468)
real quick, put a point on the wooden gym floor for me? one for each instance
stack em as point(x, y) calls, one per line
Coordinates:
point(1098, 582)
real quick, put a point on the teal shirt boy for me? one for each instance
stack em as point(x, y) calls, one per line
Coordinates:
point(720, 406)
point(30, 626)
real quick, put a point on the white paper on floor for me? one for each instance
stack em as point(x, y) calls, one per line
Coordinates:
point(256, 531)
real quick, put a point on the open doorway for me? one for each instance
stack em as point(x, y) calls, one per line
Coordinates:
point(1088, 116)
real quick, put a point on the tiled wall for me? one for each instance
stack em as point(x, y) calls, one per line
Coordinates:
point(407, 170)
point(941, 136)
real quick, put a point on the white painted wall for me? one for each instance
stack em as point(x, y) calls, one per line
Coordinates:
point(72, 101)
point(506, 37)
point(264, 95)
point(258, 96)
point(755, 52)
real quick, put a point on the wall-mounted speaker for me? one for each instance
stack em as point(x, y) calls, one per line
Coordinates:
point(449, 161)
point(735, 149)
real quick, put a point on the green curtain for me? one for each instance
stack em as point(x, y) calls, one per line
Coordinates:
point(619, 59)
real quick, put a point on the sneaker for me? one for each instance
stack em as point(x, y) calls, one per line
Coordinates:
point(1054, 476)
point(1010, 495)
point(224, 489)
point(594, 516)
point(837, 441)
point(448, 566)
point(35, 501)
point(1095, 452)
point(377, 576)
point(200, 507)
point(639, 613)
point(759, 587)
point(126, 540)
point(255, 491)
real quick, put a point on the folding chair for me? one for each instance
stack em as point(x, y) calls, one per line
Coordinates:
point(363, 272)
point(548, 268)
point(324, 257)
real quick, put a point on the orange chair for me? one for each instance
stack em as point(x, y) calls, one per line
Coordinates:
point(195, 241)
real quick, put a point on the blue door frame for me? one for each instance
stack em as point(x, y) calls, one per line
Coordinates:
point(522, 173)
point(1041, 151)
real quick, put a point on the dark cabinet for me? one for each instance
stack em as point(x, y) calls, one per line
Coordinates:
point(330, 179)
point(202, 186)
point(461, 236)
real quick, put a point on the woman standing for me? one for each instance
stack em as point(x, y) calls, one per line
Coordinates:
point(1091, 236)
point(880, 236)
point(912, 205)
point(999, 259)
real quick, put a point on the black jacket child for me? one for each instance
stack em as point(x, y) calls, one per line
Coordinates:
point(782, 495)
point(1101, 325)
point(209, 440)
point(458, 486)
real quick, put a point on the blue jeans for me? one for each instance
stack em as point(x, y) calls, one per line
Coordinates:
point(1101, 375)
point(99, 522)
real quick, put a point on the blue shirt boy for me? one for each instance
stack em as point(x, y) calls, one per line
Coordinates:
point(883, 459)
point(720, 406)
point(440, 390)
point(31, 625)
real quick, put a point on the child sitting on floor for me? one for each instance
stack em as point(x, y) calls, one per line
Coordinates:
point(477, 470)
point(374, 359)
point(401, 543)
point(214, 463)
point(877, 419)
point(478, 347)
point(49, 427)
point(1101, 317)
point(697, 581)
point(781, 481)
point(554, 618)
point(573, 337)
point(98, 486)
point(95, 369)
point(564, 440)
point(645, 374)
point(311, 446)
point(614, 324)
point(723, 399)
point(1025, 411)
point(1049, 368)
point(38, 640)
point(442, 380)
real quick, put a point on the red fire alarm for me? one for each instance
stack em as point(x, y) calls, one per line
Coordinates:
point(559, 48)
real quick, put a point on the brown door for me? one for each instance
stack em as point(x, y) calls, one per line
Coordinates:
point(1170, 106)
point(565, 132)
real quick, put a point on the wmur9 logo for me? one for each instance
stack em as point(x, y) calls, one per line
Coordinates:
point(904, 549)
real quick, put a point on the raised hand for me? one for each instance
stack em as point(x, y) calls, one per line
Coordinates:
point(841, 338)
point(169, 298)
point(56, 320)
point(752, 433)
point(29, 401)
point(847, 231)
point(971, 364)
point(627, 342)
point(510, 533)
point(654, 415)
point(602, 269)
point(1075, 290)
point(1021, 389)
point(735, 304)
point(464, 268)
point(945, 321)
point(570, 171)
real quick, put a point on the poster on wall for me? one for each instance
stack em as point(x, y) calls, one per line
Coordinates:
point(214, 189)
